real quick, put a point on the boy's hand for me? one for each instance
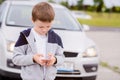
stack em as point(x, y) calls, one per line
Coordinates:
point(38, 58)
point(51, 60)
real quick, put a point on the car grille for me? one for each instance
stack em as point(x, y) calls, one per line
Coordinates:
point(74, 72)
point(11, 65)
point(70, 54)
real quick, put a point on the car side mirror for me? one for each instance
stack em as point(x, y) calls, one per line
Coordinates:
point(0, 24)
point(86, 27)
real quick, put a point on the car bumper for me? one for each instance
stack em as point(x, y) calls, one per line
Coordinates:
point(90, 70)
point(85, 70)
point(77, 78)
point(9, 74)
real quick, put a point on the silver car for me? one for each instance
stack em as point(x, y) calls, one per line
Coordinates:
point(81, 53)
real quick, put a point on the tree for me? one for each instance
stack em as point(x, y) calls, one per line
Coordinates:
point(1, 1)
point(99, 5)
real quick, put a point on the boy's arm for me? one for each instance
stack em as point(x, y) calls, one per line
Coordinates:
point(59, 56)
point(20, 57)
point(59, 53)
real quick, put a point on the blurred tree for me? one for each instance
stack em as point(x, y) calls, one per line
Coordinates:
point(51, 1)
point(79, 5)
point(1, 1)
point(64, 4)
point(99, 5)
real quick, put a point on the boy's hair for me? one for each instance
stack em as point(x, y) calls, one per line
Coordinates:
point(43, 11)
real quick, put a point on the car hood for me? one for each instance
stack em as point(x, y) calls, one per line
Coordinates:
point(75, 41)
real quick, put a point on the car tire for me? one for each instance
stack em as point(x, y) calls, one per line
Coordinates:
point(1, 77)
point(89, 78)
point(67, 78)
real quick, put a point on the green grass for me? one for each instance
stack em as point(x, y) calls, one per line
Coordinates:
point(113, 68)
point(102, 19)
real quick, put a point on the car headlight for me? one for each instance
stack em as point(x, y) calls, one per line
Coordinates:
point(10, 46)
point(90, 52)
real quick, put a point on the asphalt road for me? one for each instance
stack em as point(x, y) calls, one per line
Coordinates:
point(107, 74)
point(108, 42)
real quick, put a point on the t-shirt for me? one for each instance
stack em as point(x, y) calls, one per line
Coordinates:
point(41, 41)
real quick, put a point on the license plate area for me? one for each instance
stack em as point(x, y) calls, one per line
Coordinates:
point(67, 66)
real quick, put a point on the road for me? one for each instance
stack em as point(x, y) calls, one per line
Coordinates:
point(107, 74)
point(109, 44)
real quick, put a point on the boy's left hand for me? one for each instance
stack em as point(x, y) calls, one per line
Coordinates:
point(51, 60)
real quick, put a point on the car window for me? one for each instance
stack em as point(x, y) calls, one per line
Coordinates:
point(63, 20)
point(2, 12)
point(20, 16)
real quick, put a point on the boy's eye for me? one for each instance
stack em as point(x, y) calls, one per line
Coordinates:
point(44, 27)
point(40, 27)
point(48, 26)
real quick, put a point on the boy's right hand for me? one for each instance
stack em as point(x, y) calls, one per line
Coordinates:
point(38, 58)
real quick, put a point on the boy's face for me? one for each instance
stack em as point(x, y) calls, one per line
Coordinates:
point(42, 28)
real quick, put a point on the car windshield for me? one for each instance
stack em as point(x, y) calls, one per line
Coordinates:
point(20, 16)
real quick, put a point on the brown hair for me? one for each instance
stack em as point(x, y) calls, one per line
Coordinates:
point(43, 12)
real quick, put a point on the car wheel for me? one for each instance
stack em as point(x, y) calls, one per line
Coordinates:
point(89, 78)
point(1, 77)
point(67, 78)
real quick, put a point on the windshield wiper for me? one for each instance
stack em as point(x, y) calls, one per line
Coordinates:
point(15, 25)
point(60, 28)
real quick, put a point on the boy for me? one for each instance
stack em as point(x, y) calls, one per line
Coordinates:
point(39, 50)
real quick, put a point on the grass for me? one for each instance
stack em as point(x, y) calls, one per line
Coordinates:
point(113, 68)
point(102, 19)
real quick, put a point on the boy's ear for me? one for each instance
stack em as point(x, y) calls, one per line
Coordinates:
point(32, 20)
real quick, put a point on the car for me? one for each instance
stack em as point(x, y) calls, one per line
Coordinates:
point(81, 52)
point(81, 15)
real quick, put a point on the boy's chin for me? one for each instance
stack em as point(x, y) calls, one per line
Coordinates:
point(43, 34)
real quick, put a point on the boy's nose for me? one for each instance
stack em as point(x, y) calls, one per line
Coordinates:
point(44, 30)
